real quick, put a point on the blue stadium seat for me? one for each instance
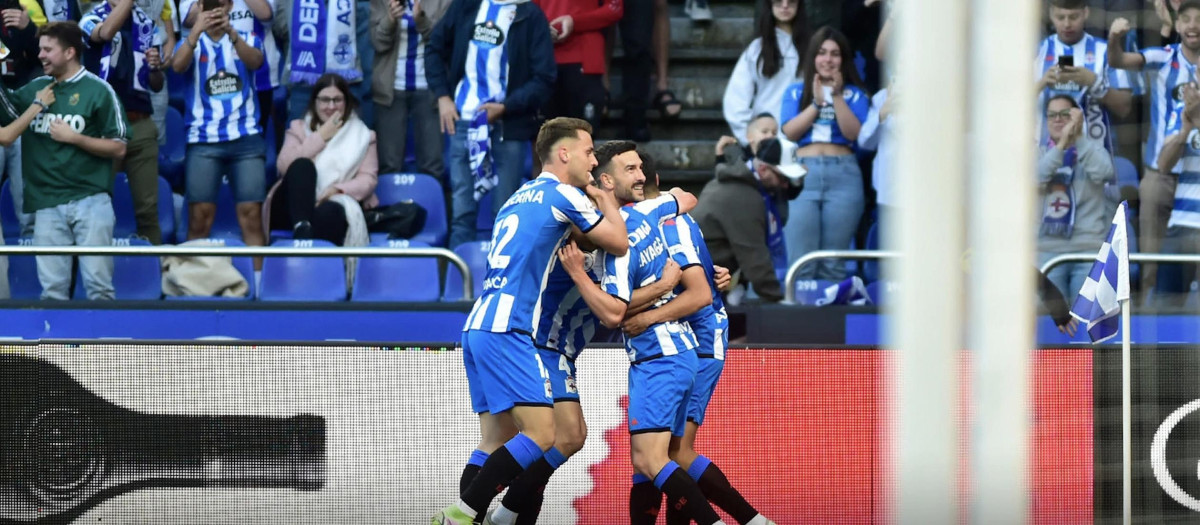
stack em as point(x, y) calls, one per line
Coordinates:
point(22, 270)
point(475, 255)
point(176, 89)
point(225, 224)
point(422, 189)
point(9, 223)
point(881, 292)
point(244, 266)
point(871, 266)
point(303, 278)
point(126, 225)
point(1127, 173)
point(134, 277)
point(486, 216)
point(808, 291)
point(396, 278)
point(171, 157)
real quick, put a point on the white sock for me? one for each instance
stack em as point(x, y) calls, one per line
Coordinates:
point(462, 505)
point(760, 520)
point(503, 516)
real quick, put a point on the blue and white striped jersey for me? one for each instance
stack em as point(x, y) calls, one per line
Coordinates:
point(486, 77)
point(221, 102)
point(1091, 53)
point(242, 20)
point(410, 60)
point(568, 327)
point(687, 247)
point(1186, 210)
point(641, 266)
point(1167, 70)
point(529, 229)
point(825, 129)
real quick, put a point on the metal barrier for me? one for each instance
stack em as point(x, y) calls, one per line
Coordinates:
point(789, 292)
point(789, 281)
point(251, 251)
point(1133, 257)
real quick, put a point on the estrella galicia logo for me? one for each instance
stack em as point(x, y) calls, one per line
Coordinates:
point(487, 35)
point(223, 85)
point(1174, 440)
point(344, 51)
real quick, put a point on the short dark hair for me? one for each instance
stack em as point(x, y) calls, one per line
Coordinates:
point(554, 130)
point(331, 80)
point(1062, 96)
point(605, 153)
point(1069, 4)
point(67, 33)
point(1187, 4)
point(650, 169)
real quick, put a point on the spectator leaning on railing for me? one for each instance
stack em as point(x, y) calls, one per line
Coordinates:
point(68, 156)
point(1072, 171)
point(222, 119)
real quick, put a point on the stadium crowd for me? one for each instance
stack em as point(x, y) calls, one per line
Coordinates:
point(297, 110)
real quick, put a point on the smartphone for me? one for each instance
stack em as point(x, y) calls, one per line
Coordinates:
point(1063, 61)
point(209, 5)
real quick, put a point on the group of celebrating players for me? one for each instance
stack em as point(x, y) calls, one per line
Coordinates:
point(591, 240)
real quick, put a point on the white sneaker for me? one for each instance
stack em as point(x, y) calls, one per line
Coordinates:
point(698, 10)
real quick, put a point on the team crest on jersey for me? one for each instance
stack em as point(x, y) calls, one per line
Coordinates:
point(1193, 139)
point(223, 85)
point(74, 99)
point(487, 35)
point(1089, 58)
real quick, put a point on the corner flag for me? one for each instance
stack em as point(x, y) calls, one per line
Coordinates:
point(1099, 300)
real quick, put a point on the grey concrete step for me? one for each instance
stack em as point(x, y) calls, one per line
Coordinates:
point(693, 124)
point(694, 92)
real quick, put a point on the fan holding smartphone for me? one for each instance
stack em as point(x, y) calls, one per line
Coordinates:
point(218, 65)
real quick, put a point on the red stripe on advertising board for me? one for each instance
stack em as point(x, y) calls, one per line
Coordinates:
point(802, 435)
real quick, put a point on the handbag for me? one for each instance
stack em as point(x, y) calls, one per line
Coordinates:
point(401, 220)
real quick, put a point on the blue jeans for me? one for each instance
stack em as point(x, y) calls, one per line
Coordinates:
point(1067, 277)
point(85, 222)
point(507, 161)
point(242, 159)
point(826, 214)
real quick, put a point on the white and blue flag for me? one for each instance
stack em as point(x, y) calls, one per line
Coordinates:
point(1099, 301)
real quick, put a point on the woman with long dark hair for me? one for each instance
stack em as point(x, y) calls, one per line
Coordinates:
point(329, 169)
point(823, 114)
point(768, 65)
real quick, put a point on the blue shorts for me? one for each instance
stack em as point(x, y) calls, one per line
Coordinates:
point(658, 393)
point(241, 159)
point(503, 371)
point(712, 332)
point(562, 375)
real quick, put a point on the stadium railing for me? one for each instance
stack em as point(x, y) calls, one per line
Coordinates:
point(789, 281)
point(252, 251)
